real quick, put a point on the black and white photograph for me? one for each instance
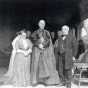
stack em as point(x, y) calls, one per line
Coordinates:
point(43, 43)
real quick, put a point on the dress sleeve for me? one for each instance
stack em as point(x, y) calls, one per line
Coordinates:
point(34, 36)
point(47, 39)
point(19, 47)
point(48, 35)
point(15, 43)
point(30, 44)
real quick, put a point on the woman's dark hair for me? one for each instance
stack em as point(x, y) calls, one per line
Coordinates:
point(18, 33)
point(23, 30)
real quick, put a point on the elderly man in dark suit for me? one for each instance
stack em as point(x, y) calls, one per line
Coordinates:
point(66, 49)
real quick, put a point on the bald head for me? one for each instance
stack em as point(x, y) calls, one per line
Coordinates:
point(65, 29)
point(41, 24)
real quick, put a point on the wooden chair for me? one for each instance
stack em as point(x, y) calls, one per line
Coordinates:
point(82, 67)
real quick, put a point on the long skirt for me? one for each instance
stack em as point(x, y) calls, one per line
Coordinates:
point(10, 68)
point(21, 71)
point(43, 67)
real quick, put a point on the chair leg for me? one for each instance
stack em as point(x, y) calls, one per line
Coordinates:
point(79, 83)
point(80, 78)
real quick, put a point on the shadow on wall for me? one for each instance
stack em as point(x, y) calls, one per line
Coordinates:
point(6, 35)
point(4, 60)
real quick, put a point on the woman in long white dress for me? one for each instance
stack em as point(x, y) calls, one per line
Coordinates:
point(10, 68)
point(20, 71)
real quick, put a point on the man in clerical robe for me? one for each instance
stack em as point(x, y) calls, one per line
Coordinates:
point(43, 67)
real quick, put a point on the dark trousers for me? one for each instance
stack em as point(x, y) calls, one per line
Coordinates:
point(65, 74)
point(61, 65)
point(68, 77)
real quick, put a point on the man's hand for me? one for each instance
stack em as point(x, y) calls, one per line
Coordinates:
point(41, 46)
point(74, 59)
point(64, 37)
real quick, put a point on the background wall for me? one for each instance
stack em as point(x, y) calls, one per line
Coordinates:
point(16, 14)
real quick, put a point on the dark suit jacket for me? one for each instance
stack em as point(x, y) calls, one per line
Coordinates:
point(69, 49)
